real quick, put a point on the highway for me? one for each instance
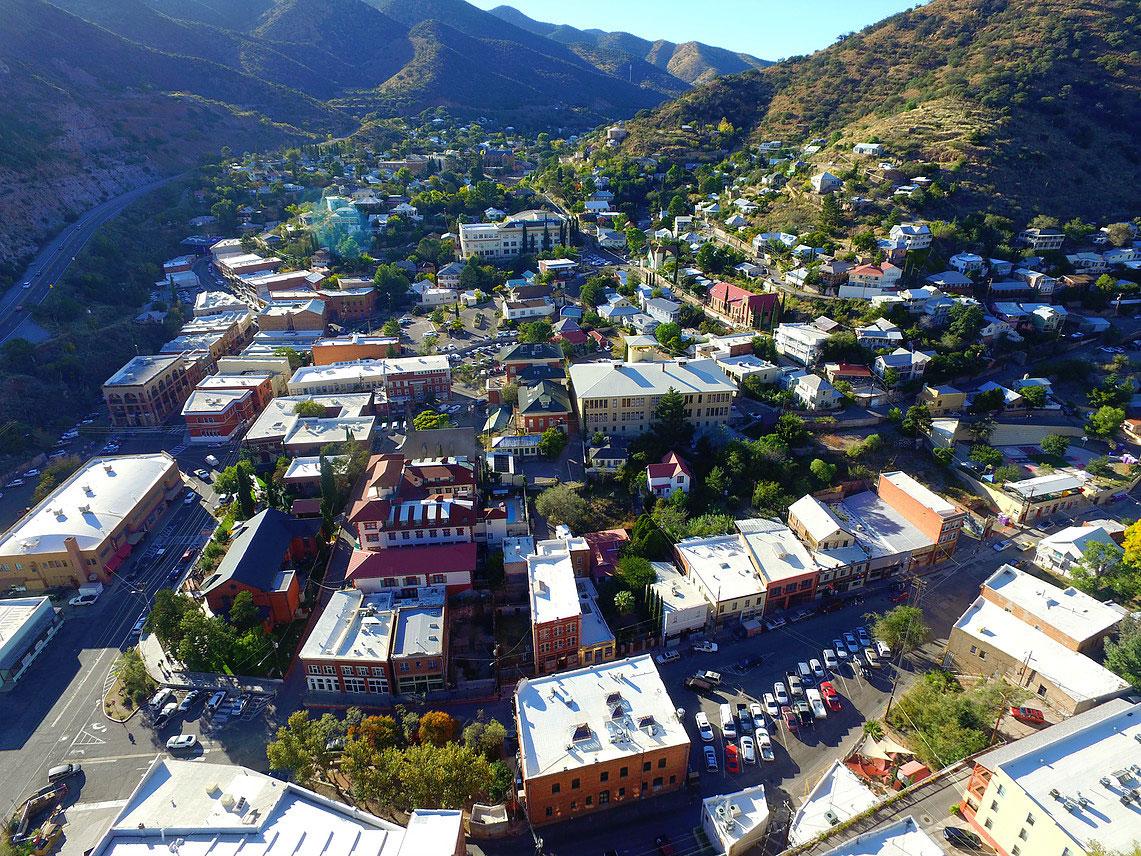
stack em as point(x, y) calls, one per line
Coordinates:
point(33, 287)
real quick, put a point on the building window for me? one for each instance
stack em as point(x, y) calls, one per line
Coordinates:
point(989, 822)
point(574, 784)
point(658, 783)
point(604, 776)
point(994, 805)
point(646, 767)
point(661, 763)
point(1015, 850)
point(574, 805)
point(1029, 820)
point(623, 773)
point(603, 797)
point(550, 811)
point(590, 800)
point(1001, 791)
point(1023, 834)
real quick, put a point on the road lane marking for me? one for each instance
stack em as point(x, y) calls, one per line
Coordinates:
point(74, 693)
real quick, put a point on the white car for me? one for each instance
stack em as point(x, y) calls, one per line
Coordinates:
point(83, 600)
point(780, 693)
point(705, 647)
point(771, 706)
point(748, 753)
point(181, 743)
point(758, 714)
point(830, 659)
point(883, 649)
point(765, 745)
point(817, 669)
point(841, 649)
point(703, 726)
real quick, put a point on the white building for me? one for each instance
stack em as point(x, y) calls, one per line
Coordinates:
point(1059, 552)
point(910, 364)
point(915, 236)
point(868, 281)
point(523, 310)
point(735, 823)
point(800, 342)
point(902, 838)
point(967, 263)
point(721, 568)
point(826, 182)
point(812, 392)
point(837, 797)
point(26, 625)
point(881, 333)
point(192, 808)
point(527, 231)
point(684, 609)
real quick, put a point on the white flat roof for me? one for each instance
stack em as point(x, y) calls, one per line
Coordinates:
point(839, 793)
point(776, 550)
point(317, 429)
point(225, 810)
point(419, 631)
point(879, 527)
point(817, 517)
point(740, 814)
point(366, 371)
point(595, 630)
point(599, 713)
point(88, 506)
point(308, 467)
point(1073, 757)
point(677, 591)
point(722, 566)
point(1074, 613)
point(517, 549)
point(353, 626)
point(1072, 672)
point(15, 614)
point(902, 838)
point(550, 577)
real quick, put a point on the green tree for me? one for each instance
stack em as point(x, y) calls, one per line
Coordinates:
point(245, 494)
point(822, 471)
point(436, 728)
point(943, 456)
point(535, 332)
point(1105, 421)
point(296, 359)
point(1103, 571)
point(309, 408)
point(891, 377)
point(329, 497)
point(902, 628)
point(165, 617)
point(1123, 654)
point(988, 401)
point(302, 747)
point(635, 573)
point(54, 473)
point(791, 429)
point(391, 328)
point(562, 504)
point(509, 393)
point(987, 456)
point(670, 425)
point(391, 287)
point(431, 420)
point(1055, 445)
point(486, 738)
point(1007, 473)
point(244, 614)
point(917, 421)
point(624, 602)
point(132, 673)
point(1034, 396)
point(552, 442)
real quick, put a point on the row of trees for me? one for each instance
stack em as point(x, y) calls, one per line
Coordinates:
point(204, 643)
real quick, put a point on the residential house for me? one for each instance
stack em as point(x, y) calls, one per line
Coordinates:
point(541, 406)
point(875, 149)
point(812, 392)
point(516, 359)
point(826, 182)
point(1060, 551)
point(915, 236)
point(881, 333)
point(967, 263)
point(449, 275)
point(942, 399)
point(868, 281)
point(671, 474)
point(910, 364)
point(661, 310)
point(1042, 240)
point(801, 342)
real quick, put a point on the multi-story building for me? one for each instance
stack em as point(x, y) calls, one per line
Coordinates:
point(1037, 636)
point(449, 565)
point(1060, 551)
point(556, 618)
point(620, 398)
point(942, 399)
point(721, 568)
point(670, 474)
point(541, 406)
point(258, 382)
point(1042, 240)
point(28, 623)
point(354, 347)
point(744, 307)
point(266, 438)
point(402, 378)
point(683, 608)
point(306, 314)
point(517, 359)
point(783, 564)
point(218, 416)
point(200, 808)
point(600, 736)
point(88, 525)
point(915, 236)
point(1059, 790)
point(148, 389)
point(801, 342)
point(354, 300)
point(308, 435)
point(868, 281)
point(936, 518)
point(909, 364)
point(525, 232)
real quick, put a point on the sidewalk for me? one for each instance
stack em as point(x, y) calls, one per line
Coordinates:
point(168, 672)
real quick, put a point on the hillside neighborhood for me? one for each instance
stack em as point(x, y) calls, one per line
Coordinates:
point(459, 489)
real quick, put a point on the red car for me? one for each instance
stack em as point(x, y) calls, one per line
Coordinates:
point(732, 764)
point(790, 720)
point(902, 596)
point(1029, 715)
point(665, 846)
point(831, 697)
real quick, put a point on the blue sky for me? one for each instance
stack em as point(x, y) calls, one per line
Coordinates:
point(769, 29)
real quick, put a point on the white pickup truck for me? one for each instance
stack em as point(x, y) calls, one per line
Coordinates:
point(819, 711)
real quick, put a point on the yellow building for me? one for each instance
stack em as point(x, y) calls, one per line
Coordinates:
point(88, 525)
point(148, 389)
point(942, 399)
point(620, 398)
point(1058, 790)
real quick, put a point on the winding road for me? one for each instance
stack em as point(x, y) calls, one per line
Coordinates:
point(54, 258)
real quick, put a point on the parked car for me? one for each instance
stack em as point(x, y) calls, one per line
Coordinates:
point(961, 838)
point(748, 750)
point(83, 600)
point(998, 547)
point(863, 635)
point(181, 743)
point(190, 498)
point(1029, 715)
point(883, 649)
point(63, 771)
point(830, 660)
point(216, 700)
point(758, 714)
point(713, 677)
point(732, 764)
point(851, 644)
point(711, 760)
point(705, 647)
point(669, 656)
point(817, 669)
point(703, 726)
point(775, 622)
point(779, 693)
point(900, 596)
point(831, 697)
point(790, 720)
point(744, 718)
point(765, 745)
point(771, 706)
point(872, 659)
point(795, 687)
point(189, 700)
point(164, 715)
point(841, 649)
point(137, 630)
point(699, 683)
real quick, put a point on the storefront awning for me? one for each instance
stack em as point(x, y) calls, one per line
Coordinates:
point(114, 562)
point(135, 537)
point(124, 550)
point(174, 492)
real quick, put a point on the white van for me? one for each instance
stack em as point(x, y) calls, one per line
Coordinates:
point(728, 726)
point(160, 698)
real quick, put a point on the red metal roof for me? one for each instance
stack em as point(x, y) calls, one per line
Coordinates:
point(398, 561)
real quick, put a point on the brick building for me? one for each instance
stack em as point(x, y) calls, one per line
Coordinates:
point(744, 307)
point(218, 416)
point(148, 389)
point(598, 737)
point(515, 359)
point(357, 346)
point(937, 518)
point(541, 406)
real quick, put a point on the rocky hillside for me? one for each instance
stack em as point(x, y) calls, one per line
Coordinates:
point(1034, 103)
